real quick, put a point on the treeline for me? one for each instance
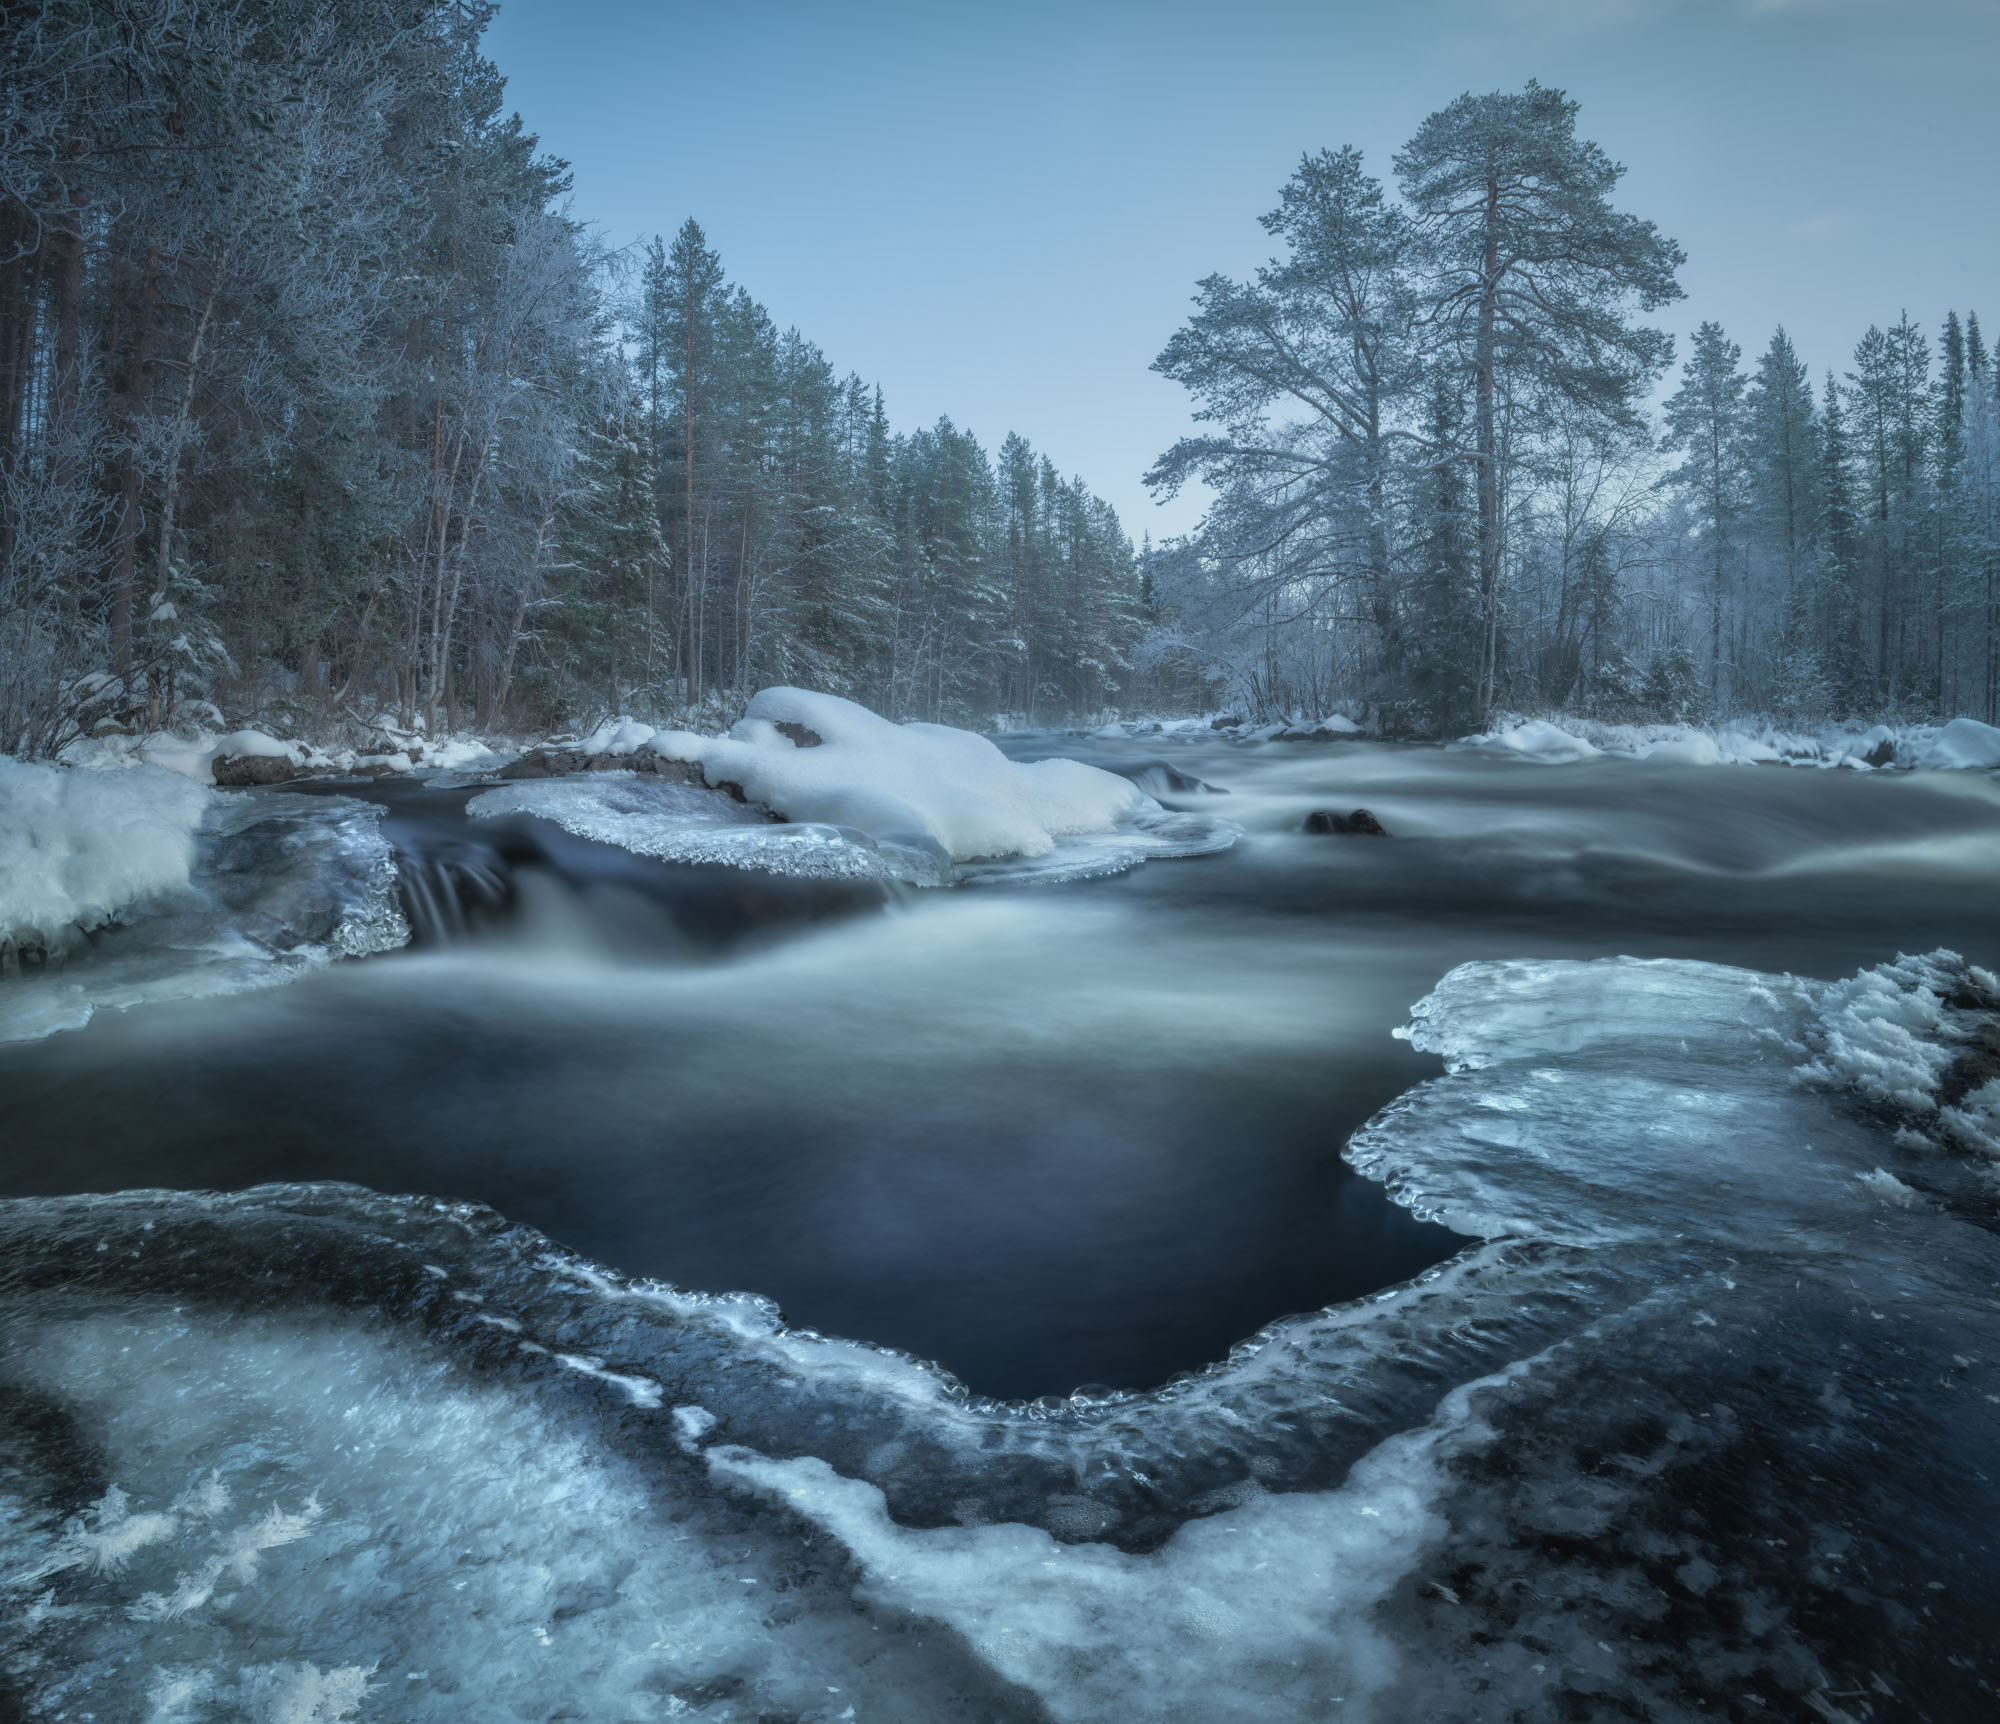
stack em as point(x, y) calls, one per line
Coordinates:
point(316, 408)
point(1441, 491)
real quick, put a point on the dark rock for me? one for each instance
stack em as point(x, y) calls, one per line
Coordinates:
point(672, 770)
point(542, 763)
point(1359, 824)
point(799, 734)
point(1224, 723)
point(1883, 753)
point(243, 771)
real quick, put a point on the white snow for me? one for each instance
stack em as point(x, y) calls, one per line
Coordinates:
point(77, 848)
point(951, 787)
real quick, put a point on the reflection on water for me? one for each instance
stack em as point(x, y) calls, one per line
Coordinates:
point(1047, 1136)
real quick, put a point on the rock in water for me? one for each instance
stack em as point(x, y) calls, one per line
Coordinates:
point(1359, 824)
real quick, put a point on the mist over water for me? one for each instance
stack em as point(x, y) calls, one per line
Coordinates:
point(1045, 1136)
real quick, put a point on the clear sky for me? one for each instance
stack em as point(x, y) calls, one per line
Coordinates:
point(999, 211)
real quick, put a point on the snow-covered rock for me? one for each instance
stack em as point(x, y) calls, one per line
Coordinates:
point(950, 788)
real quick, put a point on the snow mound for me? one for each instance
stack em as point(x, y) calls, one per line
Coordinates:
point(78, 848)
point(946, 787)
point(1962, 744)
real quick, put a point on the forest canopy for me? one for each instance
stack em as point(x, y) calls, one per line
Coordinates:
point(319, 410)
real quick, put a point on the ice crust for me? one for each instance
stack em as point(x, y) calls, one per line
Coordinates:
point(1704, 1410)
point(682, 823)
point(274, 886)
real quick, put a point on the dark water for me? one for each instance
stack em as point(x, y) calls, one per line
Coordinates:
point(1049, 1137)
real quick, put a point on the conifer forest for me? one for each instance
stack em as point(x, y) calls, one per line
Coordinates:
point(317, 409)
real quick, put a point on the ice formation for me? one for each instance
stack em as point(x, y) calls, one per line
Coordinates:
point(77, 848)
point(682, 823)
point(183, 892)
point(1702, 1416)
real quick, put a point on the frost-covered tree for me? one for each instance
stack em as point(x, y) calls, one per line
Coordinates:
point(1529, 279)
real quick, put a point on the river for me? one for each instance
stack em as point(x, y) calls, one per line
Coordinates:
point(1047, 1137)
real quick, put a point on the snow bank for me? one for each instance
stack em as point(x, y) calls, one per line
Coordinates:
point(212, 894)
point(76, 848)
point(1962, 744)
point(950, 788)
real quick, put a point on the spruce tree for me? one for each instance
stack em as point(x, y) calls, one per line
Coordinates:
point(1705, 420)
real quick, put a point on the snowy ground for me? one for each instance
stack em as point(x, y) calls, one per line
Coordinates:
point(1700, 1421)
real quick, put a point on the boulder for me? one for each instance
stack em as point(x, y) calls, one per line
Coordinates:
point(244, 771)
point(542, 763)
point(1359, 824)
point(801, 735)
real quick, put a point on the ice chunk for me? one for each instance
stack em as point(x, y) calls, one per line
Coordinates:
point(79, 848)
point(951, 786)
point(1963, 743)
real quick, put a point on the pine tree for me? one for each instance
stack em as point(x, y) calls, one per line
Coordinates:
point(1530, 276)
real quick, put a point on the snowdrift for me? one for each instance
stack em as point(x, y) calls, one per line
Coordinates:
point(181, 891)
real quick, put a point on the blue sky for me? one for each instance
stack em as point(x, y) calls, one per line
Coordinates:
point(1000, 212)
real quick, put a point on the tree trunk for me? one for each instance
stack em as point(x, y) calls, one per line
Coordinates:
point(138, 389)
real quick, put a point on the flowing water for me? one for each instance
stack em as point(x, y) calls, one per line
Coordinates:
point(1044, 1136)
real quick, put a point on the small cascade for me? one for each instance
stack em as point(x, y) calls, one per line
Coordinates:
point(451, 886)
point(526, 878)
